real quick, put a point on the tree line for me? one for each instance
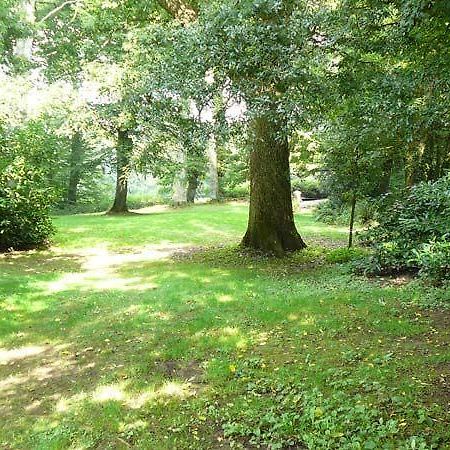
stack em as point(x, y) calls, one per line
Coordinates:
point(355, 92)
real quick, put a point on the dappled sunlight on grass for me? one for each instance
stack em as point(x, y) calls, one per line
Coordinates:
point(7, 356)
point(225, 298)
point(107, 393)
point(98, 269)
point(189, 226)
point(107, 343)
point(160, 315)
point(307, 320)
point(38, 368)
point(120, 392)
point(230, 331)
point(97, 280)
point(181, 226)
point(308, 226)
point(65, 404)
point(174, 389)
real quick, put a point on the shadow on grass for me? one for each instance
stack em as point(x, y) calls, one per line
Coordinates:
point(127, 345)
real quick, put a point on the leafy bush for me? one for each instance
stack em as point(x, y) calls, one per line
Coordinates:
point(42, 150)
point(413, 232)
point(434, 260)
point(233, 172)
point(344, 255)
point(310, 187)
point(24, 207)
point(331, 212)
point(337, 212)
point(237, 191)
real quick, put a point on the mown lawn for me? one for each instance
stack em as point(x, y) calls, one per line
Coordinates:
point(153, 331)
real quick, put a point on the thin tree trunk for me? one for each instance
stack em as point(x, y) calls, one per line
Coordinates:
point(75, 162)
point(385, 179)
point(179, 186)
point(429, 158)
point(446, 157)
point(352, 221)
point(192, 187)
point(435, 149)
point(439, 161)
point(212, 168)
point(123, 149)
point(271, 226)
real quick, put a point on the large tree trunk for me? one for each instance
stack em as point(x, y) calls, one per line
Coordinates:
point(123, 149)
point(271, 227)
point(75, 162)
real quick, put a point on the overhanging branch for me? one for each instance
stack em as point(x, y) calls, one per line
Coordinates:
point(57, 9)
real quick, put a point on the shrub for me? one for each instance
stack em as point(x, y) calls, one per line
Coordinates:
point(310, 187)
point(24, 208)
point(413, 232)
point(434, 260)
point(345, 255)
point(337, 212)
point(331, 212)
point(237, 192)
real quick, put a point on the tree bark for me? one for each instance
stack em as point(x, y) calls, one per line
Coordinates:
point(211, 153)
point(123, 149)
point(192, 187)
point(385, 180)
point(179, 186)
point(438, 169)
point(352, 221)
point(271, 226)
point(75, 162)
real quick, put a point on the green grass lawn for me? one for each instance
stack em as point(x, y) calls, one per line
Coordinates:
point(154, 331)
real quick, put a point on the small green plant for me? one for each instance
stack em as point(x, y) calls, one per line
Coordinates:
point(344, 255)
point(308, 418)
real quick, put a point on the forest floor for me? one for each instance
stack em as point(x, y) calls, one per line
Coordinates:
point(154, 331)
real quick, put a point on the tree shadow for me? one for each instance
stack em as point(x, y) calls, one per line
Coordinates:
point(81, 349)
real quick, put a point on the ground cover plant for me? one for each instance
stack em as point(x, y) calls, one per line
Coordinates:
point(156, 331)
